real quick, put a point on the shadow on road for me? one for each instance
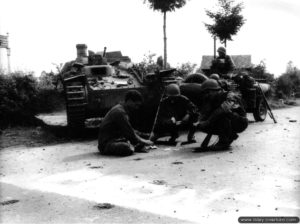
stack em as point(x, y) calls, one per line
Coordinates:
point(86, 133)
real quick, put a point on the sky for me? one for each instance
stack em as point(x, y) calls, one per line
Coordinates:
point(45, 32)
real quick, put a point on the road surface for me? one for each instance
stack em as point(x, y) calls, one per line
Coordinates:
point(67, 183)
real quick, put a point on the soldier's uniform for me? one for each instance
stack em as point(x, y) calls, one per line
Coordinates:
point(176, 111)
point(116, 135)
point(221, 114)
point(223, 64)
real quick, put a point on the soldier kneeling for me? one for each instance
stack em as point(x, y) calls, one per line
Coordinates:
point(176, 111)
point(222, 113)
point(116, 135)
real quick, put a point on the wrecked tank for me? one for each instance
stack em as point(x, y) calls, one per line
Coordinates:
point(92, 90)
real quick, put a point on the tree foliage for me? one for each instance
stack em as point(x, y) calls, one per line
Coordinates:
point(186, 68)
point(22, 96)
point(227, 20)
point(165, 5)
point(18, 94)
point(260, 72)
point(289, 82)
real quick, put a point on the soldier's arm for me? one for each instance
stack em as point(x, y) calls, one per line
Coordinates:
point(231, 63)
point(128, 131)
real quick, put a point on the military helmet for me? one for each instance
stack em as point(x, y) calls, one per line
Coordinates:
point(172, 90)
point(214, 76)
point(210, 84)
point(222, 49)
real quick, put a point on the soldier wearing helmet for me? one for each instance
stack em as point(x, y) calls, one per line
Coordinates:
point(221, 113)
point(223, 64)
point(176, 111)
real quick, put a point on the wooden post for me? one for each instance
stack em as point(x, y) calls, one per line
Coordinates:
point(165, 40)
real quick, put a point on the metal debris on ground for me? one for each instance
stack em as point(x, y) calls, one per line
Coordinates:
point(177, 163)
point(103, 206)
point(152, 147)
point(292, 120)
point(137, 159)
point(96, 167)
point(159, 182)
point(9, 202)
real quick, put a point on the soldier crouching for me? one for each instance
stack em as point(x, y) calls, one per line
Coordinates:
point(176, 112)
point(221, 113)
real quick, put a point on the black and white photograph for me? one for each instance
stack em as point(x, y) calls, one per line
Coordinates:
point(149, 111)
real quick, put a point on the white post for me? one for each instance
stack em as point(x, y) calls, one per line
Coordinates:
point(1, 69)
point(0, 53)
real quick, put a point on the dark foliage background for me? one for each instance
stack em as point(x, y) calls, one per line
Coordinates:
point(22, 96)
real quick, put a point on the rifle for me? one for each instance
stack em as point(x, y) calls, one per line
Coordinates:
point(156, 115)
point(267, 104)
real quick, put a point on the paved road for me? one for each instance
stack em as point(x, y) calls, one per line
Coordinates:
point(62, 183)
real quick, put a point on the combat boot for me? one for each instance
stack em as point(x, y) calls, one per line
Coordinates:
point(221, 145)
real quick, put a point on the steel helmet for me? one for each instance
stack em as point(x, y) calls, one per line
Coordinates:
point(210, 84)
point(214, 76)
point(172, 90)
point(222, 49)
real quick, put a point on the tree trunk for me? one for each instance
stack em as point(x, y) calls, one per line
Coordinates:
point(215, 39)
point(225, 42)
point(165, 41)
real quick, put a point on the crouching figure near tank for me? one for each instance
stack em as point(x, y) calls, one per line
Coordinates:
point(175, 112)
point(222, 114)
point(116, 135)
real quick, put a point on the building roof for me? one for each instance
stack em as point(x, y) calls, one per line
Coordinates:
point(240, 61)
point(116, 56)
point(113, 54)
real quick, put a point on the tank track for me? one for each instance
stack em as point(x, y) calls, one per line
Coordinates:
point(76, 99)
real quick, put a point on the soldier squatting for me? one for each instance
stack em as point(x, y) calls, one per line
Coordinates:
point(215, 111)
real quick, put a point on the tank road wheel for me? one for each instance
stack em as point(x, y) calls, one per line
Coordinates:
point(76, 104)
point(260, 111)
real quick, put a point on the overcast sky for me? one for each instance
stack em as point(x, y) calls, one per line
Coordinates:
point(43, 32)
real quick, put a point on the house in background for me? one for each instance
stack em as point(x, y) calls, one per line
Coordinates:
point(112, 56)
point(242, 62)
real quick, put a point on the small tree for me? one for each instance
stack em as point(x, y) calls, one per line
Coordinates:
point(289, 82)
point(227, 20)
point(186, 68)
point(165, 6)
point(260, 72)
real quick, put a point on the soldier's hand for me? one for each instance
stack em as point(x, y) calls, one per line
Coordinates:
point(173, 120)
point(196, 123)
point(178, 123)
point(227, 106)
point(147, 142)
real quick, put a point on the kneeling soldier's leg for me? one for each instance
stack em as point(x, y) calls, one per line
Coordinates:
point(119, 148)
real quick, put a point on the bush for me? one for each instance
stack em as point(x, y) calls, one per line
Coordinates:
point(49, 100)
point(18, 94)
point(287, 84)
point(49, 97)
point(22, 96)
point(186, 68)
